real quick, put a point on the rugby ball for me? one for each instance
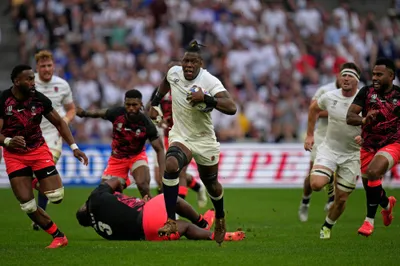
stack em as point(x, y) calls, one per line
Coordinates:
point(200, 106)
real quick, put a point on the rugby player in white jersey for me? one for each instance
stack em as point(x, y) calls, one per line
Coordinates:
point(60, 94)
point(319, 136)
point(192, 135)
point(339, 150)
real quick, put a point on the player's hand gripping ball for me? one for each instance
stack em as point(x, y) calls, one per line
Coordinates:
point(196, 98)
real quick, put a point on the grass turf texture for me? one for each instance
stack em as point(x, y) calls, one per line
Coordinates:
point(269, 217)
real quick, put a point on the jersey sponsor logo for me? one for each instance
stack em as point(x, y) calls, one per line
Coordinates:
point(176, 81)
point(9, 110)
point(20, 110)
point(33, 110)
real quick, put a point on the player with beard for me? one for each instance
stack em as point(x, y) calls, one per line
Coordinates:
point(193, 135)
point(131, 129)
point(185, 179)
point(26, 152)
point(60, 94)
point(379, 105)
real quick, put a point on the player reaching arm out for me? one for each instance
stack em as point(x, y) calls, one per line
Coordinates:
point(131, 129)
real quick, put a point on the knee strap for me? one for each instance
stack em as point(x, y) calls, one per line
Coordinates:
point(56, 195)
point(180, 156)
point(29, 207)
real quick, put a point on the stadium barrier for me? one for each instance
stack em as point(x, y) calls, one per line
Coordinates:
point(245, 165)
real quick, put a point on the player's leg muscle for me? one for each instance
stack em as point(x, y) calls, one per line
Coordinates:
point(141, 174)
point(209, 176)
point(319, 176)
point(379, 165)
point(51, 185)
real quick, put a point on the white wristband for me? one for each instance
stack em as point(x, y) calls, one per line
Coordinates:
point(7, 141)
point(74, 146)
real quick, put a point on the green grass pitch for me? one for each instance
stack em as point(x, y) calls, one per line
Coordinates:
point(269, 216)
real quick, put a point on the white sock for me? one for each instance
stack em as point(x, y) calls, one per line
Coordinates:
point(370, 220)
point(329, 221)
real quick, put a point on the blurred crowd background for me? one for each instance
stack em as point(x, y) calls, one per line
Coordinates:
point(270, 55)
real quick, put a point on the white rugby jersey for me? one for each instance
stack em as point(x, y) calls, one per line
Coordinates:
point(322, 124)
point(339, 136)
point(190, 123)
point(59, 92)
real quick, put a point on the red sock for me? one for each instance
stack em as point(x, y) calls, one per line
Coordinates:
point(374, 183)
point(194, 185)
point(182, 192)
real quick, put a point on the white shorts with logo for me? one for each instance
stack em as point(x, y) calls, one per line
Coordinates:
point(347, 167)
point(54, 141)
point(205, 150)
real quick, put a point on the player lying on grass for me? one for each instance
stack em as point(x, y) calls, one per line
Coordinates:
point(115, 216)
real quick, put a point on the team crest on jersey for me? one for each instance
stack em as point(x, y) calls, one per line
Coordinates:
point(56, 89)
point(9, 110)
point(33, 110)
point(394, 101)
point(119, 126)
point(138, 131)
point(373, 98)
point(334, 104)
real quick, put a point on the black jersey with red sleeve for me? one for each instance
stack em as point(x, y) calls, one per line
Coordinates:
point(115, 216)
point(23, 118)
point(129, 137)
point(386, 129)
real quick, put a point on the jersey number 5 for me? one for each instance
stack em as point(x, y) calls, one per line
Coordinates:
point(105, 228)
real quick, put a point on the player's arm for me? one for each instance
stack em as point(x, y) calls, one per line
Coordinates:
point(322, 113)
point(66, 134)
point(92, 113)
point(313, 113)
point(17, 141)
point(69, 105)
point(353, 117)
point(157, 144)
point(70, 112)
point(158, 147)
point(223, 102)
point(155, 111)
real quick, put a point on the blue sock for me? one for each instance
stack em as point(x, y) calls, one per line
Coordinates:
point(42, 201)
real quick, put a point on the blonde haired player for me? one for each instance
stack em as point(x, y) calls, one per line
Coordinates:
point(340, 150)
point(60, 94)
